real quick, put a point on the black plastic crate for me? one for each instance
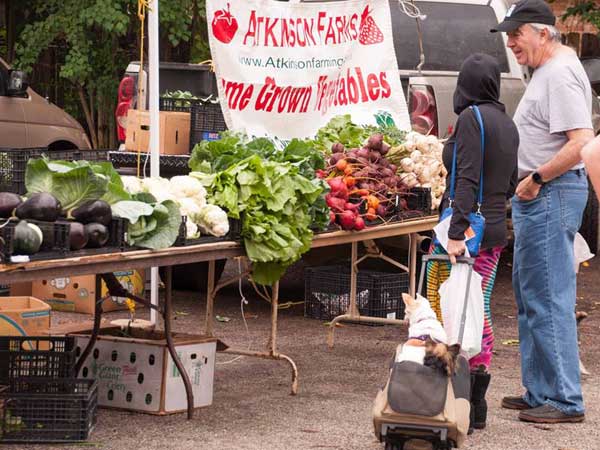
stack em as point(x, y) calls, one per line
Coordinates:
point(36, 356)
point(206, 121)
point(55, 243)
point(234, 234)
point(417, 201)
point(170, 165)
point(13, 163)
point(378, 294)
point(117, 233)
point(49, 410)
point(177, 104)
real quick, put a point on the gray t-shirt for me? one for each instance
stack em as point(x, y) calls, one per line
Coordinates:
point(557, 99)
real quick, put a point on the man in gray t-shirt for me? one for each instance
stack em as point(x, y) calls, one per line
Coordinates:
point(554, 123)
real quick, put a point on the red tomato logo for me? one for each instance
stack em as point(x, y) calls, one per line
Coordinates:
point(224, 25)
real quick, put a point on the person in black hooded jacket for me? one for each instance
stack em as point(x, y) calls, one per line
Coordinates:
point(478, 84)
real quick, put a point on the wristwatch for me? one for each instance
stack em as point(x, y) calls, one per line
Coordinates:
point(537, 178)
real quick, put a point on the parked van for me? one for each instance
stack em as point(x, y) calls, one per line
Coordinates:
point(29, 120)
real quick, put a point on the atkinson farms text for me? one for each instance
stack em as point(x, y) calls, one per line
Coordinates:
point(353, 87)
point(301, 32)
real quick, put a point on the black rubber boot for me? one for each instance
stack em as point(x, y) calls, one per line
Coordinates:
point(480, 380)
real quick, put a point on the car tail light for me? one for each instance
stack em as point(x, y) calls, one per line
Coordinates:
point(121, 117)
point(126, 89)
point(423, 109)
point(127, 95)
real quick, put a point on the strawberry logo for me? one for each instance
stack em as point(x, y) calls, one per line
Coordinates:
point(224, 25)
point(369, 31)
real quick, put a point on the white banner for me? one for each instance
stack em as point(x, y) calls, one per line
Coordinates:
point(285, 69)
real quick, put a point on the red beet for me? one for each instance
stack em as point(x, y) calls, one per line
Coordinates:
point(331, 217)
point(381, 210)
point(375, 142)
point(363, 153)
point(359, 224)
point(346, 219)
point(338, 147)
point(352, 206)
point(335, 203)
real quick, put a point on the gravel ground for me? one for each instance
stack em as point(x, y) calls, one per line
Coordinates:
point(252, 408)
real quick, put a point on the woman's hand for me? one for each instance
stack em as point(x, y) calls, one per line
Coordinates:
point(455, 248)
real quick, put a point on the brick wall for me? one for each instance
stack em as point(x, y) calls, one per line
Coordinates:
point(583, 37)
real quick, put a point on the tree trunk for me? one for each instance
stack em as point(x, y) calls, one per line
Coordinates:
point(88, 116)
point(10, 32)
point(100, 115)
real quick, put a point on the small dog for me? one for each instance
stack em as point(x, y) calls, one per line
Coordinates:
point(426, 333)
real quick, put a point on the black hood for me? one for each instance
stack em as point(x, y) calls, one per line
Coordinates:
point(478, 82)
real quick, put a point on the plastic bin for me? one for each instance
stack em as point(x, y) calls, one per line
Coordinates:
point(13, 163)
point(378, 294)
point(205, 123)
point(418, 203)
point(55, 243)
point(49, 410)
point(36, 356)
point(234, 234)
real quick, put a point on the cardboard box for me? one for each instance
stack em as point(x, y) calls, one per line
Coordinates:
point(174, 136)
point(77, 294)
point(137, 372)
point(21, 290)
point(23, 316)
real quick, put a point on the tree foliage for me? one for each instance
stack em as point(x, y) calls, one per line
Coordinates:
point(99, 38)
point(588, 11)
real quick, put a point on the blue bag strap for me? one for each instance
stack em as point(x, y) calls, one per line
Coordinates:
point(475, 109)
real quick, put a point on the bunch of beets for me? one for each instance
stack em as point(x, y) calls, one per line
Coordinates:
point(363, 183)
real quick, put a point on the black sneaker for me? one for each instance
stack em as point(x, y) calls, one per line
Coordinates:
point(549, 414)
point(515, 403)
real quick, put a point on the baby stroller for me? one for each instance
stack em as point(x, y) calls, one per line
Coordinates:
point(420, 408)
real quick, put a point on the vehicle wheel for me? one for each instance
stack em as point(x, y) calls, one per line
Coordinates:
point(589, 223)
point(194, 277)
point(391, 446)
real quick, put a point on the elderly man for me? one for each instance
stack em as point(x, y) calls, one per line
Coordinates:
point(554, 123)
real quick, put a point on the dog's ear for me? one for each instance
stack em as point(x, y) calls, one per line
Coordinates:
point(454, 350)
point(407, 299)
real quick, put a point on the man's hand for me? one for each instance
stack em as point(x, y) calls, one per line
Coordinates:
point(455, 248)
point(528, 189)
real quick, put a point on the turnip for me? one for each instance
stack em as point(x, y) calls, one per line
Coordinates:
point(393, 168)
point(375, 142)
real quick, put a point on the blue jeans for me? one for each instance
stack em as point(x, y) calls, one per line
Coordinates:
point(545, 289)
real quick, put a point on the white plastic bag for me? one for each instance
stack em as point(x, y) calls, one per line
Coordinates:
point(582, 251)
point(452, 298)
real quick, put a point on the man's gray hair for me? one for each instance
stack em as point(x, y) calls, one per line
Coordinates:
point(552, 30)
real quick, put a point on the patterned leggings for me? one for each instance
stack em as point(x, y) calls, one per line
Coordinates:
point(486, 265)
